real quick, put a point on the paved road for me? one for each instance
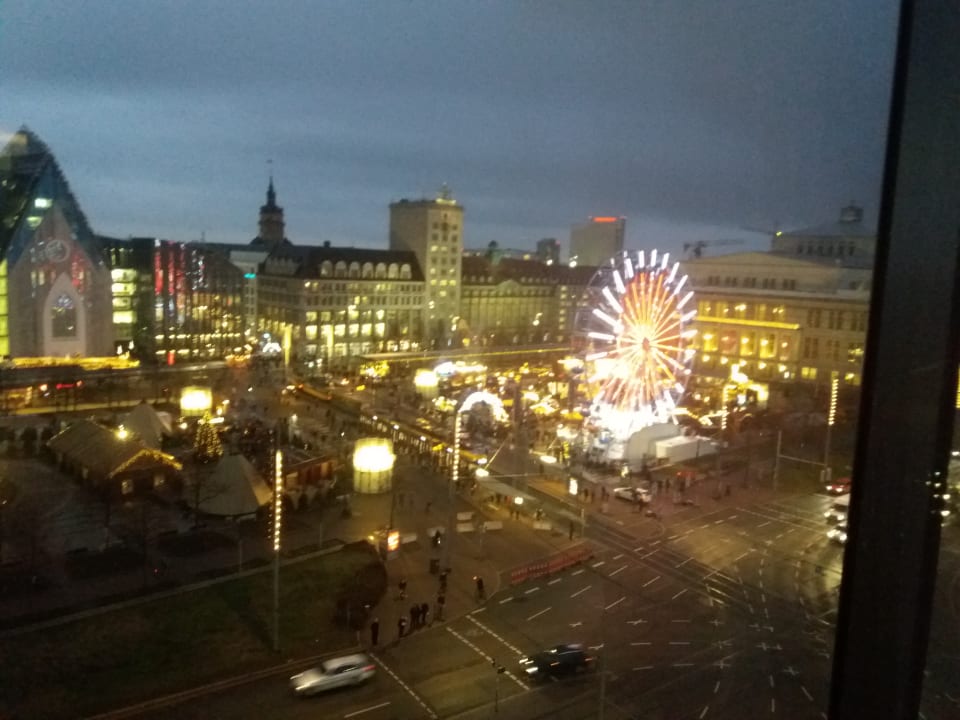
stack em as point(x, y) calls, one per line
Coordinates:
point(721, 616)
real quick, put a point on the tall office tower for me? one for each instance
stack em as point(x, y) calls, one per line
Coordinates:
point(433, 231)
point(548, 250)
point(598, 240)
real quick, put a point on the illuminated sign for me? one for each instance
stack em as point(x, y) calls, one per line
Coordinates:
point(604, 219)
point(195, 401)
point(249, 276)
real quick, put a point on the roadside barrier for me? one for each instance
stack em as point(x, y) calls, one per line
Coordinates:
point(552, 564)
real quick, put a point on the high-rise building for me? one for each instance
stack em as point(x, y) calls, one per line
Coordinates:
point(595, 242)
point(433, 231)
point(548, 250)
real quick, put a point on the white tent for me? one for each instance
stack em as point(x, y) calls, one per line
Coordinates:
point(146, 423)
point(234, 488)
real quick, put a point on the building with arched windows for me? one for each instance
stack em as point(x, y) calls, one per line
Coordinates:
point(337, 304)
point(54, 278)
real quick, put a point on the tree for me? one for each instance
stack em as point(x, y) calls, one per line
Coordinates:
point(207, 445)
point(207, 450)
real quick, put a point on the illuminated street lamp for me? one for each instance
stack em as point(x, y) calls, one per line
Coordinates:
point(831, 420)
point(277, 528)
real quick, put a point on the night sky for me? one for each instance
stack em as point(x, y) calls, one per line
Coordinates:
point(694, 119)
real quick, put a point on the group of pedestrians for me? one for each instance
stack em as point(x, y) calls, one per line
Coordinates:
point(419, 613)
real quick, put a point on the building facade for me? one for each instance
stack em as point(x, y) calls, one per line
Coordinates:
point(795, 315)
point(54, 278)
point(433, 231)
point(596, 241)
point(334, 304)
point(508, 301)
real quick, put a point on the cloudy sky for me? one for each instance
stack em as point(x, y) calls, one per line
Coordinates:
point(693, 118)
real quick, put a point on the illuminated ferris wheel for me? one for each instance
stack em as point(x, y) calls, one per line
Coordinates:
point(636, 341)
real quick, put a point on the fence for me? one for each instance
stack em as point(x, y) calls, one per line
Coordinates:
point(552, 564)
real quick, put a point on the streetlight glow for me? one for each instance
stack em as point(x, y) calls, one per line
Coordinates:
point(277, 499)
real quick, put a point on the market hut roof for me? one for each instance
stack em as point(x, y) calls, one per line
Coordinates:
point(103, 453)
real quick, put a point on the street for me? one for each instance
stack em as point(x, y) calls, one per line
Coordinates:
point(726, 613)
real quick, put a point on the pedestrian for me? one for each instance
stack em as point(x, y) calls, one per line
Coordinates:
point(375, 632)
point(481, 593)
point(424, 613)
point(443, 580)
point(414, 616)
point(401, 627)
point(441, 601)
point(402, 585)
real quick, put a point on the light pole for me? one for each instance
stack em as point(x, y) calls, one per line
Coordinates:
point(277, 527)
point(831, 419)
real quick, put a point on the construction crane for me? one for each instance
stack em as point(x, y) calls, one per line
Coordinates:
point(695, 249)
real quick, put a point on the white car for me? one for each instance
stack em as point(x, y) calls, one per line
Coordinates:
point(838, 533)
point(334, 673)
point(631, 493)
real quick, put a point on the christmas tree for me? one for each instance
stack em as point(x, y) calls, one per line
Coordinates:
point(207, 442)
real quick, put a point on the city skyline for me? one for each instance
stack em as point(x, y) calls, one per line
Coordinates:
point(536, 120)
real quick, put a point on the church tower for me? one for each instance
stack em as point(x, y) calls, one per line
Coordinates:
point(271, 220)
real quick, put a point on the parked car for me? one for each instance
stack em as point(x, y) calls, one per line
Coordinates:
point(334, 673)
point(559, 661)
point(632, 494)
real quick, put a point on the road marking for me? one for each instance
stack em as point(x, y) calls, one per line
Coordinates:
point(478, 610)
point(366, 710)
point(532, 590)
point(410, 692)
point(717, 522)
point(617, 557)
point(681, 621)
point(644, 643)
point(554, 581)
point(704, 711)
point(621, 569)
point(576, 572)
point(741, 557)
point(672, 537)
point(506, 600)
point(486, 657)
point(771, 680)
point(806, 692)
point(704, 526)
point(599, 563)
point(644, 667)
point(615, 603)
point(638, 549)
point(682, 664)
point(538, 614)
point(679, 642)
point(716, 687)
point(635, 622)
point(764, 524)
point(773, 705)
point(492, 634)
point(684, 562)
point(644, 557)
point(650, 582)
point(679, 594)
point(581, 591)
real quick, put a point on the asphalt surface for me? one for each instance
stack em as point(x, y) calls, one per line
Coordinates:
point(725, 614)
